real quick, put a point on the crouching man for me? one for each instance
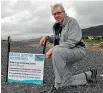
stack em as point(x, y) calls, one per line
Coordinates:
point(68, 49)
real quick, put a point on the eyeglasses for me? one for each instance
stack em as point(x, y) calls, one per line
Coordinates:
point(58, 13)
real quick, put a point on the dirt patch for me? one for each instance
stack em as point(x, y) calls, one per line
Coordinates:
point(95, 46)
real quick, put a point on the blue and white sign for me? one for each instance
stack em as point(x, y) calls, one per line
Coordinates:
point(26, 68)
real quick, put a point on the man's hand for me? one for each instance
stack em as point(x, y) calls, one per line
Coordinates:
point(49, 54)
point(42, 41)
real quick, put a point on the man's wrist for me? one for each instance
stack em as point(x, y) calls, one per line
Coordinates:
point(47, 37)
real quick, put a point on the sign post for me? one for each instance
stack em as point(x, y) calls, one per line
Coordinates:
point(8, 57)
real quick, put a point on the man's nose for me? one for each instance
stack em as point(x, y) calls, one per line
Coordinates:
point(56, 15)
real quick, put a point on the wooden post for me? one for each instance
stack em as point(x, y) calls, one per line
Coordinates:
point(8, 57)
point(44, 47)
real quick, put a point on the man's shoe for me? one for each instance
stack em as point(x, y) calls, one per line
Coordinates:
point(52, 90)
point(94, 75)
point(93, 78)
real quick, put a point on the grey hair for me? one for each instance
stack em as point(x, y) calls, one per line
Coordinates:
point(56, 5)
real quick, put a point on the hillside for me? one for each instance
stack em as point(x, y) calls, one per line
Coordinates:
point(93, 31)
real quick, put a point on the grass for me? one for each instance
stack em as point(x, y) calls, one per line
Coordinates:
point(94, 44)
point(91, 41)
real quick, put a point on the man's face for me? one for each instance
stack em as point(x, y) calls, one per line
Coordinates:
point(58, 14)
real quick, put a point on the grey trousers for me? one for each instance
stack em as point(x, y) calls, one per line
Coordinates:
point(63, 60)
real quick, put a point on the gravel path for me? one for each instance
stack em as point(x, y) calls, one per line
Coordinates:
point(93, 59)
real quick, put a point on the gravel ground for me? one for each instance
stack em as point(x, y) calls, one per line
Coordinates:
point(93, 59)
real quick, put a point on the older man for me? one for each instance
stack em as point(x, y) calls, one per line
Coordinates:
point(68, 49)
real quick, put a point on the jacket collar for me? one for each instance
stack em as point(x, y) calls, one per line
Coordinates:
point(66, 18)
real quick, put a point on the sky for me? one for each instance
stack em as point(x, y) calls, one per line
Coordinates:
point(29, 19)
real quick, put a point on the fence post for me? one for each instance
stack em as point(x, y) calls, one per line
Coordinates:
point(8, 57)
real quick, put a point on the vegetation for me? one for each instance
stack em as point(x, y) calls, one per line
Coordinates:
point(93, 40)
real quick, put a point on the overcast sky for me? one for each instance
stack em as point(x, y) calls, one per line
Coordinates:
point(31, 19)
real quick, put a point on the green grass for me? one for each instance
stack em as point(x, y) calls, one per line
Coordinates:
point(91, 41)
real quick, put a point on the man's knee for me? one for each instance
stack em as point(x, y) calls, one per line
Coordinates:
point(62, 52)
point(57, 50)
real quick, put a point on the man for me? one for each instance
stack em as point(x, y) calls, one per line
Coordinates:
point(68, 49)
